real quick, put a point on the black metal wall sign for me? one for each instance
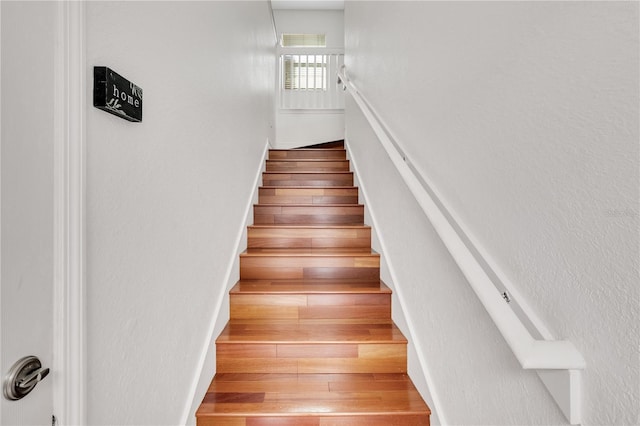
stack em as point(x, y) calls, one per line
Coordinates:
point(116, 95)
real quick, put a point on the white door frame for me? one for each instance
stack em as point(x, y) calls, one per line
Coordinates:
point(69, 329)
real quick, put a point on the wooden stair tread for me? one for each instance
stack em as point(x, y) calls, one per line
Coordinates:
point(292, 206)
point(311, 300)
point(279, 208)
point(308, 187)
point(307, 164)
point(311, 179)
point(312, 226)
point(299, 332)
point(308, 160)
point(299, 172)
point(321, 235)
point(308, 214)
point(315, 395)
point(303, 214)
point(309, 286)
point(303, 252)
point(314, 263)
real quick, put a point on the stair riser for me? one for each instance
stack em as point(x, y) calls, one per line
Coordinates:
point(308, 215)
point(337, 154)
point(309, 200)
point(307, 179)
point(307, 166)
point(354, 420)
point(276, 237)
point(311, 306)
point(308, 182)
point(320, 267)
point(308, 195)
point(343, 358)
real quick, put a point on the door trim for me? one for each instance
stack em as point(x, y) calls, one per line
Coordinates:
point(69, 322)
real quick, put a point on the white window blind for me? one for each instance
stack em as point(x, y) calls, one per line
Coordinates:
point(305, 72)
point(303, 40)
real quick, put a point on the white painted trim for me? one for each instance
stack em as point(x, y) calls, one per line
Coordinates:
point(309, 51)
point(311, 112)
point(208, 348)
point(478, 269)
point(565, 387)
point(69, 343)
point(1, 195)
point(437, 409)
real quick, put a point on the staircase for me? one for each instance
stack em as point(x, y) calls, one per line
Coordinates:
point(310, 340)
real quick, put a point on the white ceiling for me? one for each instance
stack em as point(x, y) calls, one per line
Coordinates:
point(308, 4)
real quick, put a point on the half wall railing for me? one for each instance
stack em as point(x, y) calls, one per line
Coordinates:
point(307, 79)
point(557, 362)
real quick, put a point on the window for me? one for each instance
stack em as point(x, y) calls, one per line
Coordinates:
point(303, 40)
point(304, 72)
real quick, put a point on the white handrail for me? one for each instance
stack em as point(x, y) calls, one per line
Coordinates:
point(550, 357)
point(532, 353)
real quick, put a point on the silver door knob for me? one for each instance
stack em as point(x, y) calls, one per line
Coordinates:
point(22, 377)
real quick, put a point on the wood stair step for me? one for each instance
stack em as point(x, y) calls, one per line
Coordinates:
point(309, 263)
point(312, 165)
point(303, 301)
point(312, 400)
point(310, 286)
point(339, 154)
point(307, 195)
point(307, 178)
point(296, 332)
point(308, 236)
point(304, 348)
point(310, 214)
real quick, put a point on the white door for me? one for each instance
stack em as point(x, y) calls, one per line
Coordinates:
point(26, 254)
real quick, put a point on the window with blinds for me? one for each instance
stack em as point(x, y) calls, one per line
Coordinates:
point(303, 40)
point(304, 72)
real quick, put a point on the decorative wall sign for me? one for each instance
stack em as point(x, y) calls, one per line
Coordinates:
point(116, 95)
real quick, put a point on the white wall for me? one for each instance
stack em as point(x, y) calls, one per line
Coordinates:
point(28, 35)
point(525, 117)
point(166, 197)
point(296, 128)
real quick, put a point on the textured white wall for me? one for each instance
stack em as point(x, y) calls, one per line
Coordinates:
point(525, 117)
point(166, 197)
point(298, 128)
